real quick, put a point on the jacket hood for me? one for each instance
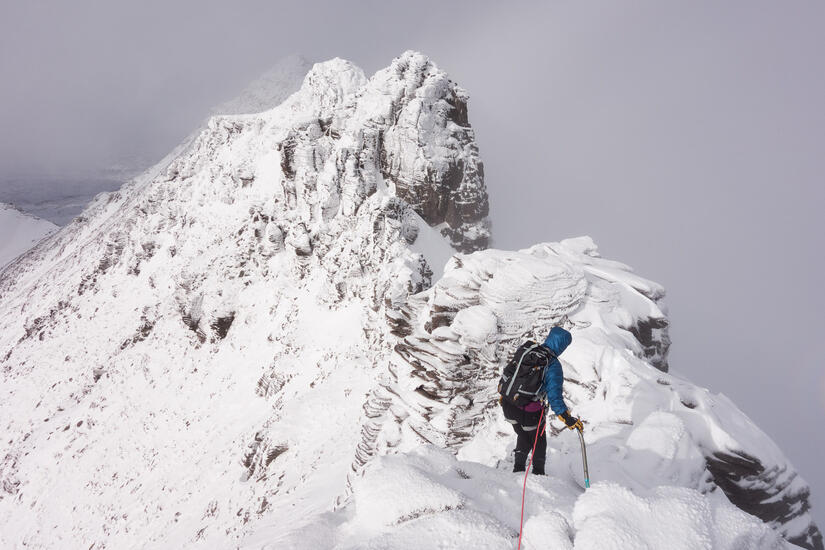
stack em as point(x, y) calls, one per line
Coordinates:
point(558, 340)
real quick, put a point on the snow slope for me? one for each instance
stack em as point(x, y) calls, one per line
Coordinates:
point(657, 444)
point(450, 503)
point(157, 351)
point(250, 342)
point(19, 232)
point(60, 198)
point(268, 90)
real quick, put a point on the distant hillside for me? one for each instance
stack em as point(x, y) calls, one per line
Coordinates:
point(19, 232)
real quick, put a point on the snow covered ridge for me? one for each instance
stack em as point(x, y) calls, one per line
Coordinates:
point(449, 503)
point(646, 429)
point(19, 232)
point(258, 329)
point(37, 194)
point(191, 354)
point(268, 90)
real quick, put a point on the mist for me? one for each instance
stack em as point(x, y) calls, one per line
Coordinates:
point(686, 138)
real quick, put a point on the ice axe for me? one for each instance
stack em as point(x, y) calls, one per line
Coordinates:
point(584, 459)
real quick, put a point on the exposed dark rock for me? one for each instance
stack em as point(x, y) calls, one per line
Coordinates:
point(765, 493)
point(194, 326)
point(652, 334)
point(399, 322)
point(287, 149)
point(221, 324)
point(441, 316)
point(274, 453)
point(140, 334)
point(449, 189)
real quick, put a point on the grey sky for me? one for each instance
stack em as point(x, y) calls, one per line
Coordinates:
point(687, 138)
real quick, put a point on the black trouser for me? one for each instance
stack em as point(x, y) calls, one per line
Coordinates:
point(525, 425)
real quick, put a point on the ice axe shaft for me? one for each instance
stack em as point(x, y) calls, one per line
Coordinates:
point(584, 459)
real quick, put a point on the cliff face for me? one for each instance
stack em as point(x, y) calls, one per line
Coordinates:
point(159, 352)
point(237, 335)
point(645, 428)
point(446, 185)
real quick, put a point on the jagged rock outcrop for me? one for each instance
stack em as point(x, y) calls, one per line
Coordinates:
point(446, 185)
point(770, 492)
point(254, 272)
point(440, 387)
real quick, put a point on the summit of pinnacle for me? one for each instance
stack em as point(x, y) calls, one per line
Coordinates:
point(328, 84)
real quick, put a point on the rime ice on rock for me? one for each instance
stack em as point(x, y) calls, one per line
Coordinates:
point(157, 351)
point(645, 428)
point(429, 154)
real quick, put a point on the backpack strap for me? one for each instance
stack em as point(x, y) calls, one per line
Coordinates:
point(550, 354)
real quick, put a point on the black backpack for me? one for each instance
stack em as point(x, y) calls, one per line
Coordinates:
point(521, 380)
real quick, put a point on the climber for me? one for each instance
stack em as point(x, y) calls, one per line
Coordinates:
point(531, 379)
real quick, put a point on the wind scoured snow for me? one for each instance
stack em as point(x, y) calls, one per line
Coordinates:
point(428, 499)
point(268, 90)
point(612, 517)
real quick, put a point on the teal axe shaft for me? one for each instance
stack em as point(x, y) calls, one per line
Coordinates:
point(584, 460)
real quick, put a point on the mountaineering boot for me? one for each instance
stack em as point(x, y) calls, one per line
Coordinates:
point(520, 463)
point(538, 468)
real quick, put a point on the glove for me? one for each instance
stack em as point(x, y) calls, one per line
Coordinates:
point(571, 421)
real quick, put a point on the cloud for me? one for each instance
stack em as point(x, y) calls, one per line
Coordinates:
point(686, 139)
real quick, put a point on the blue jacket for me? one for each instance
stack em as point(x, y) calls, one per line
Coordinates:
point(557, 341)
